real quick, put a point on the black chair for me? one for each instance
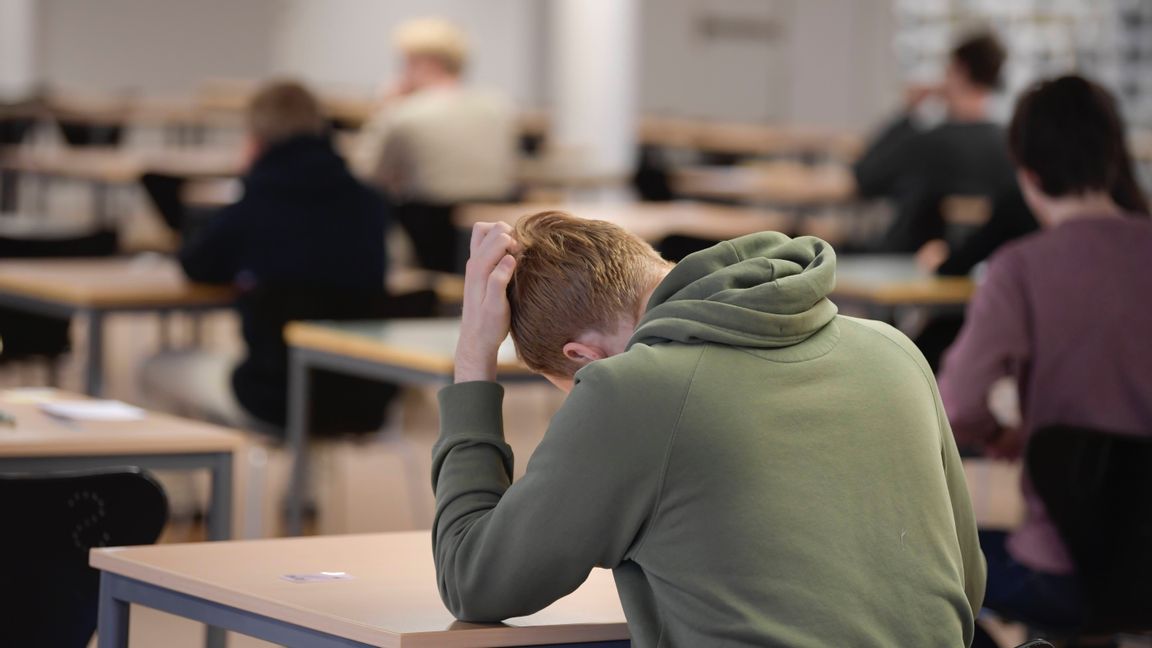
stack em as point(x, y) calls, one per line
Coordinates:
point(341, 404)
point(165, 192)
point(48, 593)
point(1097, 488)
point(82, 133)
point(438, 244)
point(34, 337)
point(13, 130)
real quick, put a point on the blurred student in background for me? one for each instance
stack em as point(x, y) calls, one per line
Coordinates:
point(919, 167)
point(436, 143)
point(305, 230)
point(1065, 314)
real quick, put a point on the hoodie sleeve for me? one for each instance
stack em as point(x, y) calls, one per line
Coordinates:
point(993, 343)
point(504, 550)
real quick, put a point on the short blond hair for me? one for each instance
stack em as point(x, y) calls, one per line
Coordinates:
point(282, 110)
point(574, 275)
point(434, 38)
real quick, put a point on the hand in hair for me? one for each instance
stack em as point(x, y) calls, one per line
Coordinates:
point(486, 316)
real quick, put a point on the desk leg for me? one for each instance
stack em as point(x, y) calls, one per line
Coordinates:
point(214, 637)
point(112, 619)
point(299, 378)
point(220, 503)
point(102, 204)
point(94, 377)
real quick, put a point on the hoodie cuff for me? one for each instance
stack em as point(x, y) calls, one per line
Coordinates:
point(472, 408)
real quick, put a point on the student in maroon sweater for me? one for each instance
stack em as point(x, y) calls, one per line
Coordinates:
point(1064, 313)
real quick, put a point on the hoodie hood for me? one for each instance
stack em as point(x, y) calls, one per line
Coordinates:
point(761, 291)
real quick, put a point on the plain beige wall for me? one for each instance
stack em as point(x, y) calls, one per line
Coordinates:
point(832, 63)
point(152, 46)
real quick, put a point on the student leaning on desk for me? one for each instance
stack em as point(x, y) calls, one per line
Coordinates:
point(755, 468)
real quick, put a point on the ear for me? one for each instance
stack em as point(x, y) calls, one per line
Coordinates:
point(1027, 179)
point(582, 353)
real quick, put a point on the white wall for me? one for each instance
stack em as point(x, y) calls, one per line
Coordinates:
point(801, 61)
point(348, 42)
point(154, 46)
point(843, 64)
point(828, 62)
point(699, 58)
point(17, 49)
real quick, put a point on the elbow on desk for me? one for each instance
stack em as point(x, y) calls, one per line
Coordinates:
point(477, 595)
point(478, 604)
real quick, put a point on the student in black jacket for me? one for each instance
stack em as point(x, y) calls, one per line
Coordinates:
point(307, 240)
point(917, 167)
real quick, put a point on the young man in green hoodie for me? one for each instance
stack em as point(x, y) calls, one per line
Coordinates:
point(755, 469)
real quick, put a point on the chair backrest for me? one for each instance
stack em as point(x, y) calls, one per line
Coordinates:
point(165, 191)
point(48, 593)
point(100, 242)
point(339, 403)
point(1097, 488)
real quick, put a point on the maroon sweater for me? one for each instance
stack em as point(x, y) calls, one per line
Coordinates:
point(1067, 312)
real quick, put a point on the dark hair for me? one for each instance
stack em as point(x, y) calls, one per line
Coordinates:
point(1069, 132)
point(284, 109)
point(981, 55)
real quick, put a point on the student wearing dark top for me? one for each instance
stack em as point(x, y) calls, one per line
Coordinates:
point(917, 167)
point(1062, 313)
point(305, 223)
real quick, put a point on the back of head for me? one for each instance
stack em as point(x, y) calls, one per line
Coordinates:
point(573, 276)
point(436, 39)
point(282, 110)
point(1069, 133)
point(981, 56)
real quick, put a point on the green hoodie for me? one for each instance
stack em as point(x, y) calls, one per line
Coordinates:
point(756, 469)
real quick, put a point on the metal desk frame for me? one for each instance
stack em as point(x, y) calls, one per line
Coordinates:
point(302, 361)
point(118, 592)
point(94, 365)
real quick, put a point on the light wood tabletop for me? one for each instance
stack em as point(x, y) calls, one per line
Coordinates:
point(38, 434)
point(894, 280)
point(390, 600)
point(114, 165)
point(650, 221)
point(422, 345)
point(112, 283)
point(781, 183)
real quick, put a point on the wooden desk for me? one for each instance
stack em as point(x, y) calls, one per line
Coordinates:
point(895, 280)
point(96, 288)
point(779, 184)
point(391, 599)
point(651, 221)
point(413, 351)
point(114, 165)
point(109, 167)
point(41, 443)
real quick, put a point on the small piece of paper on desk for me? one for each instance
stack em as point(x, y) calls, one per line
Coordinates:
point(93, 410)
point(318, 577)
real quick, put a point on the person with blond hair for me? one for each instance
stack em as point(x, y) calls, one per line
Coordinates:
point(756, 469)
point(436, 143)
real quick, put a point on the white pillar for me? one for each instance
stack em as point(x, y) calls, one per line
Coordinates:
point(17, 48)
point(594, 83)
